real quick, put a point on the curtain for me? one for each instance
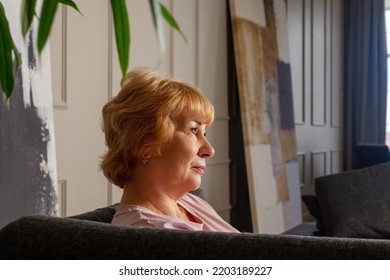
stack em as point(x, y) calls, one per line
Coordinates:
point(365, 75)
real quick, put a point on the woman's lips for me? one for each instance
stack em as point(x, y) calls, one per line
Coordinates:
point(200, 169)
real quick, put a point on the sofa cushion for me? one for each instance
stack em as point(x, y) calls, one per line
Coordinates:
point(371, 154)
point(356, 203)
point(313, 206)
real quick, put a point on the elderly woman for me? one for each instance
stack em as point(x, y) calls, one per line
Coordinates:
point(155, 131)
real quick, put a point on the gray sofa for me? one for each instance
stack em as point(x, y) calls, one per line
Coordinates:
point(91, 236)
point(68, 238)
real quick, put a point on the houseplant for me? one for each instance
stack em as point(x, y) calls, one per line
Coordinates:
point(9, 53)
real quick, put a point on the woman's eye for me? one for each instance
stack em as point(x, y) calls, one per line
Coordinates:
point(194, 130)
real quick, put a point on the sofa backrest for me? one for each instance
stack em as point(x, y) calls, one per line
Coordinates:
point(103, 215)
point(38, 237)
point(356, 203)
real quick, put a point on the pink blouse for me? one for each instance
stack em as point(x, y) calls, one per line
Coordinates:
point(206, 219)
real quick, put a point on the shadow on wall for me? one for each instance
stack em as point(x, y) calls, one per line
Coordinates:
point(26, 186)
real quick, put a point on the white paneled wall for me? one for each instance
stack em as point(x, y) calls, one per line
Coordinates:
point(86, 74)
point(315, 28)
point(80, 70)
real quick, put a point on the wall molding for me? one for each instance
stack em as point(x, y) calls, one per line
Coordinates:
point(301, 156)
point(110, 55)
point(334, 121)
point(197, 47)
point(322, 121)
point(62, 103)
point(314, 169)
point(335, 157)
point(62, 197)
point(299, 11)
point(109, 193)
point(307, 57)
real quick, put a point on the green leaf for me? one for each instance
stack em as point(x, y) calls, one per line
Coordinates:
point(122, 32)
point(6, 48)
point(71, 4)
point(18, 57)
point(153, 4)
point(48, 11)
point(171, 21)
point(157, 20)
point(28, 12)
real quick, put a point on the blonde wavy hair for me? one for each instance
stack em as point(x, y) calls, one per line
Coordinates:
point(141, 119)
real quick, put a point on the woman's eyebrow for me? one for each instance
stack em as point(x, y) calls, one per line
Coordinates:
point(198, 122)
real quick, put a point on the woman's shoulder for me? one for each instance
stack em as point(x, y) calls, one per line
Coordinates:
point(130, 214)
point(134, 215)
point(189, 197)
point(197, 202)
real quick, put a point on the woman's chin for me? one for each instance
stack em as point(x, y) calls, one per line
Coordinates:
point(194, 186)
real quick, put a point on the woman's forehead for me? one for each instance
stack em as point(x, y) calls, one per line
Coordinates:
point(197, 117)
point(192, 119)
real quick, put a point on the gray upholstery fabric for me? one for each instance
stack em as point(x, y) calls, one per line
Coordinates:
point(39, 237)
point(90, 236)
point(304, 229)
point(103, 215)
point(356, 203)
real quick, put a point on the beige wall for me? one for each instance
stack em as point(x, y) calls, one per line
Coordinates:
point(86, 74)
point(315, 28)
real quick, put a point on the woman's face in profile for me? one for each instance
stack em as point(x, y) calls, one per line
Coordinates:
point(183, 161)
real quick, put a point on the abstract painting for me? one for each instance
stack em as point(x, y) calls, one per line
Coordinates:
point(27, 150)
point(265, 92)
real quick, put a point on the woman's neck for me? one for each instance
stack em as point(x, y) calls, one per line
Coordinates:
point(151, 198)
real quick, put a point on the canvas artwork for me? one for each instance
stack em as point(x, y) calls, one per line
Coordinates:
point(265, 91)
point(27, 150)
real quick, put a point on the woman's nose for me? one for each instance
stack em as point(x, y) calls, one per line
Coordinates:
point(206, 150)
